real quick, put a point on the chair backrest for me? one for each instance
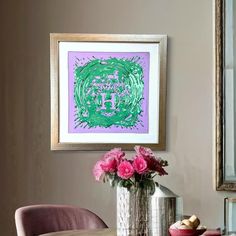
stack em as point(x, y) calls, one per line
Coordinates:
point(39, 219)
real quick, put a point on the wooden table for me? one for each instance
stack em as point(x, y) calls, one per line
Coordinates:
point(101, 232)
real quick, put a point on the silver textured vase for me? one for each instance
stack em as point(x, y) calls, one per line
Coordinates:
point(132, 212)
point(142, 214)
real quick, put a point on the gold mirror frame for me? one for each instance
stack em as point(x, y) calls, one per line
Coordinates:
point(221, 183)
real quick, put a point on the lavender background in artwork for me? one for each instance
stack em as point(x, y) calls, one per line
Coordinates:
point(84, 57)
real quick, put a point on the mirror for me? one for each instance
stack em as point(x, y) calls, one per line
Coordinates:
point(225, 42)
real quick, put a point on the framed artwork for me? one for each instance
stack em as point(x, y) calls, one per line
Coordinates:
point(107, 91)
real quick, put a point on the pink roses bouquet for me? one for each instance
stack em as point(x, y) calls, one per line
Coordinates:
point(137, 172)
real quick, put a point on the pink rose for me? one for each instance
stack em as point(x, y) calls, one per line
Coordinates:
point(140, 165)
point(143, 151)
point(153, 163)
point(109, 165)
point(112, 159)
point(115, 153)
point(98, 171)
point(125, 170)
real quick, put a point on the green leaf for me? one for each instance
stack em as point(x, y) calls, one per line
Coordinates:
point(152, 187)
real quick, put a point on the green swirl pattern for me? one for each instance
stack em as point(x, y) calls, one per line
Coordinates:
point(108, 93)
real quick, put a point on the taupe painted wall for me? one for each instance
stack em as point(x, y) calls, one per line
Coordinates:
point(30, 173)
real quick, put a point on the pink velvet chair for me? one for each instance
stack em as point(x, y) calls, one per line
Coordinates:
point(39, 219)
